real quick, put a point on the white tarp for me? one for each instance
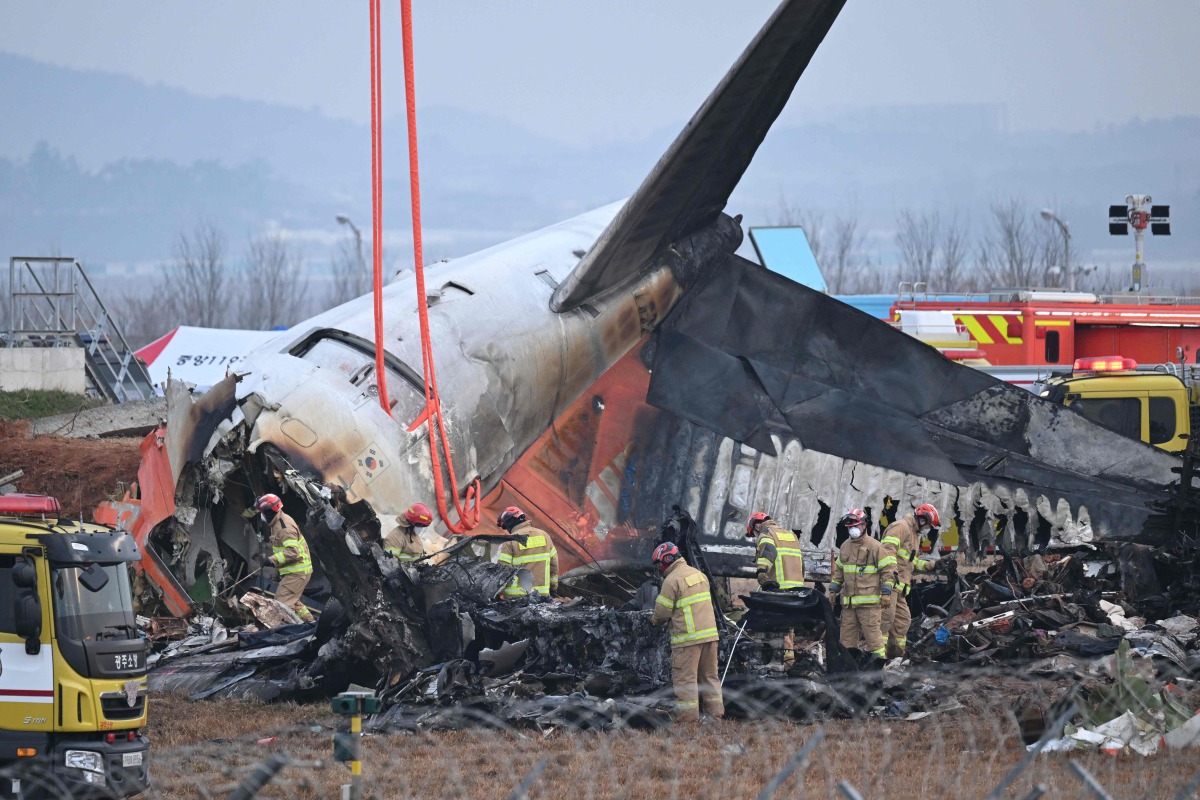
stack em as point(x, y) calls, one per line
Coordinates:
point(201, 356)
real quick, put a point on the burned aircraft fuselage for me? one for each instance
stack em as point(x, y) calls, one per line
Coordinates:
point(507, 365)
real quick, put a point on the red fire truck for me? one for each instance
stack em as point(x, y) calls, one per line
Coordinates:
point(1048, 329)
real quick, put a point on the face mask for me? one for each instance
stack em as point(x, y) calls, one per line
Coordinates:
point(924, 529)
point(263, 517)
point(855, 533)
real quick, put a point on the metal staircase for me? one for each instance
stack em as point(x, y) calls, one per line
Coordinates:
point(52, 303)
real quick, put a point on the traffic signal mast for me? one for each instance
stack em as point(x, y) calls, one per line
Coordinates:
point(1139, 213)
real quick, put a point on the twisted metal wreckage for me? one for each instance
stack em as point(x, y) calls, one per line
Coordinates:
point(597, 373)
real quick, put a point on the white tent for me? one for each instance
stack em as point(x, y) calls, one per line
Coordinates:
point(201, 356)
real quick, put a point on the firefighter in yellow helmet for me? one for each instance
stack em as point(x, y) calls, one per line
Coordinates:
point(862, 575)
point(902, 539)
point(404, 540)
point(778, 558)
point(537, 555)
point(686, 602)
point(289, 554)
point(779, 564)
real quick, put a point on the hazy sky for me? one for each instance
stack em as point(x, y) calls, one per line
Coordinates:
point(586, 72)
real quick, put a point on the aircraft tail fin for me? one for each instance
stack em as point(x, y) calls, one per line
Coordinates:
point(691, 183)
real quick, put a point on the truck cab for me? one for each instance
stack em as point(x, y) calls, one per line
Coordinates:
point(72, 664)
point(1153, 406)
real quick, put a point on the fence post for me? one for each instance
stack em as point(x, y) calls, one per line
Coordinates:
point(523, 787)
point(795, 762)
point(258, 778)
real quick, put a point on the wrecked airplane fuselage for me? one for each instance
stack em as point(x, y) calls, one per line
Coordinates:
point(757, 393)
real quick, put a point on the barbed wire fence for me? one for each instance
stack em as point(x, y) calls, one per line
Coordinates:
point(974, 733)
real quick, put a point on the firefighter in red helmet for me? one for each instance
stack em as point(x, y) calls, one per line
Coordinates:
point(289, 554)
point(686, 602)
point(404, 540)
point(902, 539)
point(537, 554)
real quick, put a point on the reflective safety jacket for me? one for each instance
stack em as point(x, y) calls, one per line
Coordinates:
point(537, 555)
point(779, 558)
point(903, 540)
point(404, 543)
point(861, 568)
point(686, 601)
point(289, 551)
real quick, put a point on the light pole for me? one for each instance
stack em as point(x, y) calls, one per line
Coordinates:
point(344, 220)
point(1050, 216)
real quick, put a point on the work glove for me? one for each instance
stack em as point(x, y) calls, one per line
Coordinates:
point(770, 586)
point(887, 590)
point(261, 559)
point(834, 587)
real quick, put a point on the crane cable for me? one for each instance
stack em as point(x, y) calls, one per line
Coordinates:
point(377, 209)
point(468, 509)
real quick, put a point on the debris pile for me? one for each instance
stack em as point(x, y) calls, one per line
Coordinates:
point(1082, 603)
point(1119, 623)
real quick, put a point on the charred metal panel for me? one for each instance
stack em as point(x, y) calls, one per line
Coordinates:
point(762, 360)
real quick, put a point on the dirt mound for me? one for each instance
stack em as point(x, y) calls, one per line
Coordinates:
point(79, 472)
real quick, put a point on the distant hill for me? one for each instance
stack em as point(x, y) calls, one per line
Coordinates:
point(106, 167)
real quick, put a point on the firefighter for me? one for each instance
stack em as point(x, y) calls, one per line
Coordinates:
point(404, 542)
point(902, 539)
point(779, 561)
point(780, 565)
point(289, 554)
point(862, 574)
point(537, 554)
point(686, 602)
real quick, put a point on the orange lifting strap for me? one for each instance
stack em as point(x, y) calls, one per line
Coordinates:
point(468, 510)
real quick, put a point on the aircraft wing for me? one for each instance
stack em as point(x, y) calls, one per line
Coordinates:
point(692, 181)
point(756, 357)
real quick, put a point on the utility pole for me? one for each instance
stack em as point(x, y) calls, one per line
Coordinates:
point(1065, 227)
point(345, 220)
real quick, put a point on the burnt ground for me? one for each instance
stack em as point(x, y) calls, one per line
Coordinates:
point(209, 746)
point(79, 472)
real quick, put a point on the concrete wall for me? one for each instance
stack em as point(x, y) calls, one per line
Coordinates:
point(42, 368)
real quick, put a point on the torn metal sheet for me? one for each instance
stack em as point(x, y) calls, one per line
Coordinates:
point(501, 660)
point(765, 361)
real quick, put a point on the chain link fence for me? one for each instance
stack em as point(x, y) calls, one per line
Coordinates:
point(963, 734)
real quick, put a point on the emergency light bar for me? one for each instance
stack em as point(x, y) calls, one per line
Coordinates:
point(1104, 364)
point(29, 505)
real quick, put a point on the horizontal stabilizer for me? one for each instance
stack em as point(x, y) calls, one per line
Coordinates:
point(692, 182)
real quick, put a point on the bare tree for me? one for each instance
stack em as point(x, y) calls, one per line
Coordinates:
point(952, 256)
point(275, 284)
point(198, 284)
point(1015, 252)
point(917, 239)
point(846, 259)
point(351, 275)
point(142, 313)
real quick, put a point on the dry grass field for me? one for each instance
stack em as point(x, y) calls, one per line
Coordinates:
point(203, 749)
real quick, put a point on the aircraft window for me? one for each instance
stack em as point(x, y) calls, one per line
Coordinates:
point(1162, 420)
point(1120, 414)
point(357, 366)
point(8, 593)
point(1051, 347)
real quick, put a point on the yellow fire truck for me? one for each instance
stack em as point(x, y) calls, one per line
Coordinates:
point(1156, 406)
point(72, 665)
